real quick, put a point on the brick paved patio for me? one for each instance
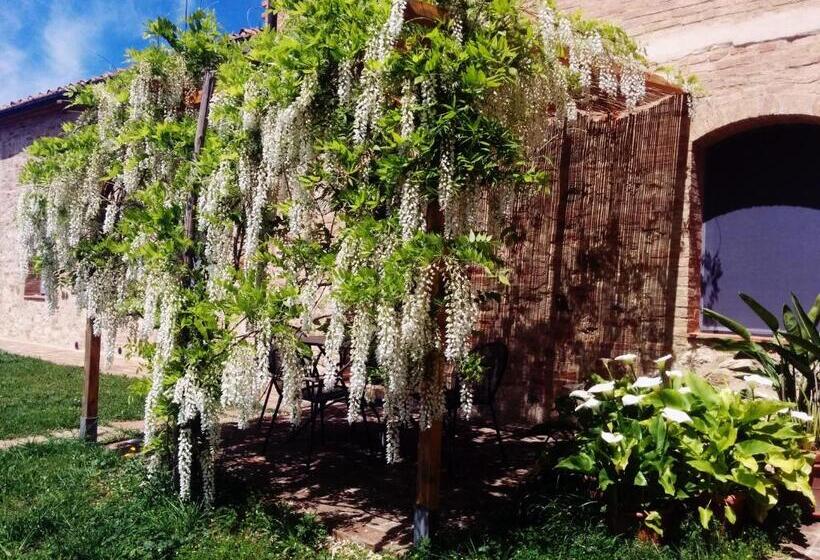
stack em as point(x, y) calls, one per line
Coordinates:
point(810, 548)
point(363, 500)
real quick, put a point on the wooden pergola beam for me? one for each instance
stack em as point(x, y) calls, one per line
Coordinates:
point(270, 17)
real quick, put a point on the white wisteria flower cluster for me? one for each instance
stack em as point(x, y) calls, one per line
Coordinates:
point(591, 62)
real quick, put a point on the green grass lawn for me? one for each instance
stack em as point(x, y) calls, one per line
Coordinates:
point(65, 499)
point(38, 397)
point(566, 533)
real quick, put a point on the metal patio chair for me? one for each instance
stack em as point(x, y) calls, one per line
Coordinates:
point(275, 383)
point(313, 392)
point(493, 357)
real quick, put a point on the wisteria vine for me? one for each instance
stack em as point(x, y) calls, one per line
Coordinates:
point(337, 192)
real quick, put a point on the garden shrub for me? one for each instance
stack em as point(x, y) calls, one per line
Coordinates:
point(663, 445)
point(790, 360)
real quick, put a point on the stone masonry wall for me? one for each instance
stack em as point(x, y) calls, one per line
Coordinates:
point(23, 319)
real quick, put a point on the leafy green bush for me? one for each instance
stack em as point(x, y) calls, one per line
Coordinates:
point(660, 445)
point(791, 359)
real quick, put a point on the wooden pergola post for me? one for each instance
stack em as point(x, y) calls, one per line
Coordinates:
point(199, 140)
point(91, 384)
point(428, 482)
point(428, 467)
point(270, 17)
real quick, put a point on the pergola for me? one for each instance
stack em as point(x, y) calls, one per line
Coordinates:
point(617, 197)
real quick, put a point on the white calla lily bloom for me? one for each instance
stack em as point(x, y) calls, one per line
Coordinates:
point(632, 400)
point(661, 362)
point(676, 415)
point(589, 404)
point(800, 415)
point(580, 394)
point(612, 439)
point(674, 373)
point(644, 382)
point(626, 358)
point(759, 380)
point(598, 388)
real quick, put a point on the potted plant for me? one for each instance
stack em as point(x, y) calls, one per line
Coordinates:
point(790, 361)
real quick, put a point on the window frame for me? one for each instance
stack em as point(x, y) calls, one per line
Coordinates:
point(33, 287)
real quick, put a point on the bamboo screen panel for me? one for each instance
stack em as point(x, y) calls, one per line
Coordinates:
point(593, 264)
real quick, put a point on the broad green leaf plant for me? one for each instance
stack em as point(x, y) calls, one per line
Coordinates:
point(790, 360)
point(346, 159)
point(667, 442)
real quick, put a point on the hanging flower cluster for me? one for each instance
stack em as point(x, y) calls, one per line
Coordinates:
point(598, 56)
point(336, 192)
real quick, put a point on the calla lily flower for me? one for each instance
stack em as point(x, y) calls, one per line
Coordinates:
point(611, 439)
point(581, 394)
point(589, 404)
point(661, 362)
point(631, 400)
point(800, 415)
point(602, 387)
point(644, 382)
point(626, 358)
point(675, 415)
point(755, 379)
point(674, 373)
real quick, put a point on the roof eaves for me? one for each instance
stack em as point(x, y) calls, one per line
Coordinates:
point(53, 95)
point(49, 96)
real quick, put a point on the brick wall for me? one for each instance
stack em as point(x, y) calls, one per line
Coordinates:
point(644, 17)
point(28, 319)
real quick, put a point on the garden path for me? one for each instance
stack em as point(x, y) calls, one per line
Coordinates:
point(809, 548)
point(362, 500)
point(66, 356)
point(113, 431)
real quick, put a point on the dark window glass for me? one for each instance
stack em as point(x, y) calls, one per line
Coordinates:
point(761, 221)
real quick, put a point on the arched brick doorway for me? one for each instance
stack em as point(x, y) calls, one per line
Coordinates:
point(755, 216)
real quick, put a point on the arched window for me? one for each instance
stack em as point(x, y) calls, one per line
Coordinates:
point(761, 220)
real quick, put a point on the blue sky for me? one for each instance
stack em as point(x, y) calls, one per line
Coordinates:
point(48, 43)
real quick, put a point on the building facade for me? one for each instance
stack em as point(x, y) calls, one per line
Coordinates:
point(27, 326)
point(754, 155)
